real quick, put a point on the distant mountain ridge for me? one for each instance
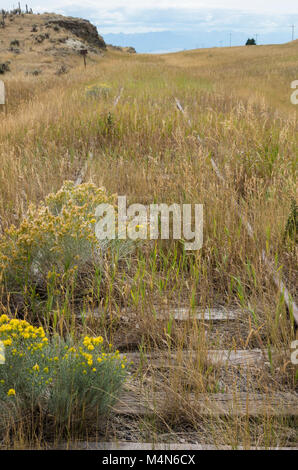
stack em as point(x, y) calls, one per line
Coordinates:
point(170, 41)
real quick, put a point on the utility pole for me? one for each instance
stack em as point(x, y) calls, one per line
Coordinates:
point(293, 30)
point(230, 39)
point(256, 38)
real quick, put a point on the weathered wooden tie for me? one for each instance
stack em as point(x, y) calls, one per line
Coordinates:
point(178, 314)
point(128, 445)
point(197, 313)
point(280, 404)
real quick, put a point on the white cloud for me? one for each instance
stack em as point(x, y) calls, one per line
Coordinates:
point(175, 15)
point(256, 6)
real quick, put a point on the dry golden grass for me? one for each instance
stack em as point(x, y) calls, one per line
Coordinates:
point(238, 101)
point(255, 73)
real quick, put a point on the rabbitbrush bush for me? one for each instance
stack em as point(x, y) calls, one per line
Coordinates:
point(98, 89)
point(68, 382)
point(55, 247)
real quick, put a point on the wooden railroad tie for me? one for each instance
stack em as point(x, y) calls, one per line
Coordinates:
point(242, 404)
point(128, 445)
point(219, 314)
point(219, 357)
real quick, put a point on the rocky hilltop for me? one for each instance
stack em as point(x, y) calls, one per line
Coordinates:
point(40, 43)
point(80, 28)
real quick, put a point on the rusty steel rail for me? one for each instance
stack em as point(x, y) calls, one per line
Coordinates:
point(291, 305)
point(84, 168)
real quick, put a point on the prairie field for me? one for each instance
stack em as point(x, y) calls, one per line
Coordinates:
point(237, 113)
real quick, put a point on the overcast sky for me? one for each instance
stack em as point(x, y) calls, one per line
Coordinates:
point(136, 16)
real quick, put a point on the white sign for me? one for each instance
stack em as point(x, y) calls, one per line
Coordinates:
point(2, 92)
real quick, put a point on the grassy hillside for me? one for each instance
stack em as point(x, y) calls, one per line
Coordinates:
point(255, 73)
point(238, 104)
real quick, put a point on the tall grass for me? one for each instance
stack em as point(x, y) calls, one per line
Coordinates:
point(238, 102)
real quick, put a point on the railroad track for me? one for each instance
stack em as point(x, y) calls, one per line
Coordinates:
point(139, 402)
point(269, 263)
point(220, 405)
point(83, 171)
point(216, 404)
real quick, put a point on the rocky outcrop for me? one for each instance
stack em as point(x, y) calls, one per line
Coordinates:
point(83, 29)
point(130, 50)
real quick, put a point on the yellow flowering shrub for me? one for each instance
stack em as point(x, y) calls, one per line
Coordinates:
point(68, 381)
point(56, 238)
point(26, 348)
point(98, 89)
point(91, 376)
